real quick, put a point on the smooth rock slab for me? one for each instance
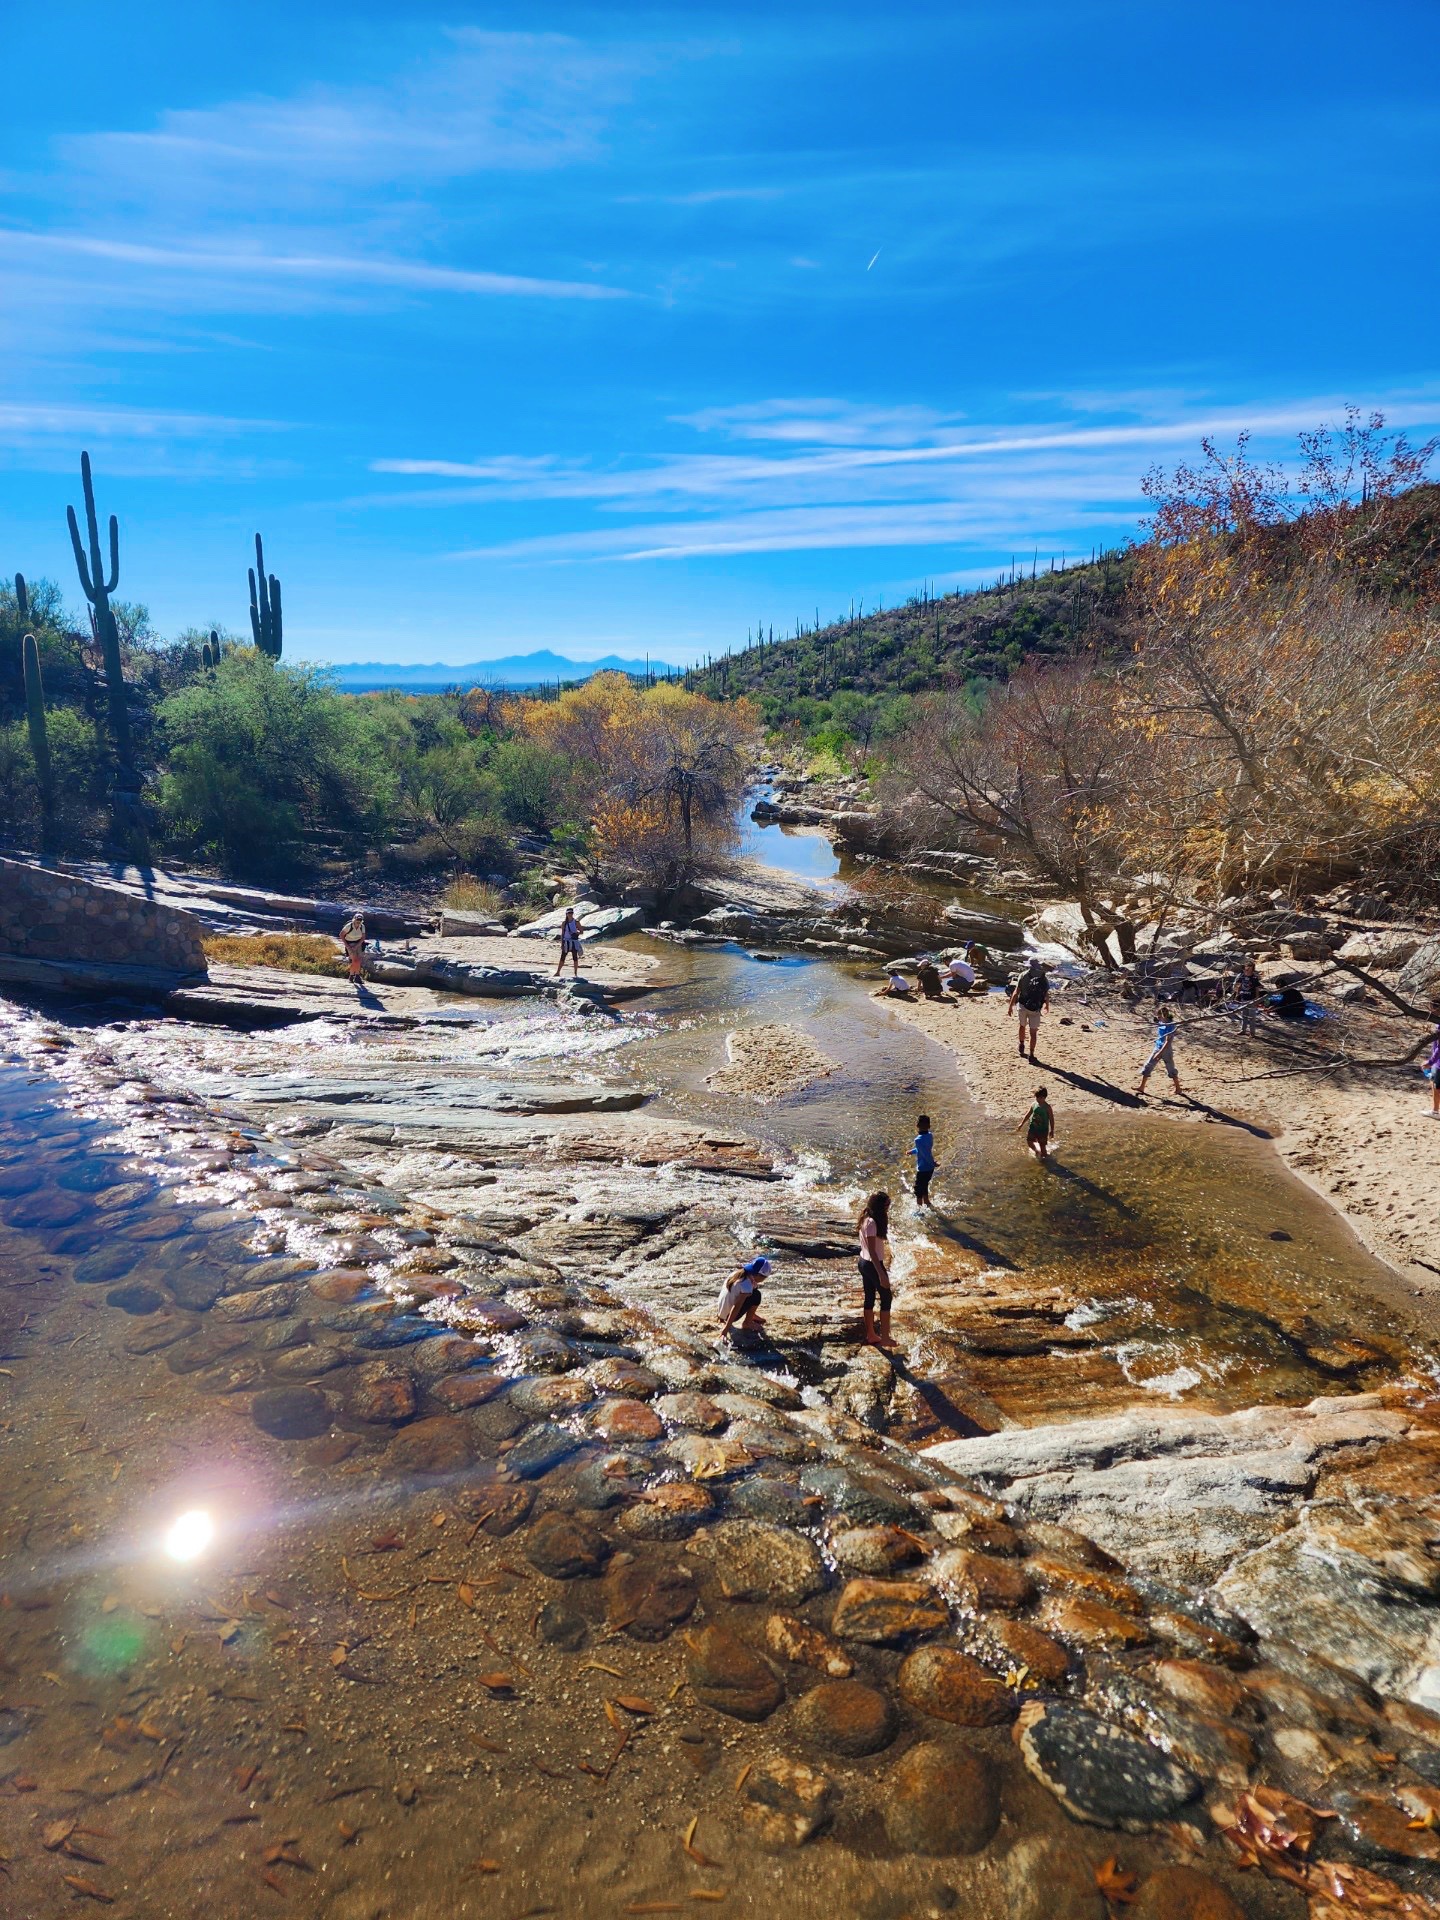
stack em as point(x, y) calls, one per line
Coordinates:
point(883, 1611)
point(1101, 1774)
point(754, 1561)
point(726, 1675)
point(845, 1717)
point(290, 1413)
point(949, 1685)
point(940, 1800)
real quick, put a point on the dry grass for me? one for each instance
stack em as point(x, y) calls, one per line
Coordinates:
point(467, 895)
point(292, 952)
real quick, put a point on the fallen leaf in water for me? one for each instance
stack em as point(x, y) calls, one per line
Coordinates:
point(496, 1682)
point(339, 1656)
point(283, 1854)
point(465, 1593)
point(53, 1837)
point(387, 1543)
point(348, 1834)
point(632, 1703)
point(709, 1893)
point(1114, 1883)
point(149, 1729)
point(89, 1889)
point(228, 1632)
point(484, 1866)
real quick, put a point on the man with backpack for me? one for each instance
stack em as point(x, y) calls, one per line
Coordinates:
point(1029, 997)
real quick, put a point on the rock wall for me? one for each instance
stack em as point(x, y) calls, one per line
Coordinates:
point(47, 916)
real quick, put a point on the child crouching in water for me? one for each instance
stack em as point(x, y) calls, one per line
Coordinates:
point(1039, 1125)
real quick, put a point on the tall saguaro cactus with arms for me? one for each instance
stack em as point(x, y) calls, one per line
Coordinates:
point(265, 617)
point(98, 589)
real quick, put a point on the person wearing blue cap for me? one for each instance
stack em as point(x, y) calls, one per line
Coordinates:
point(740, 1297)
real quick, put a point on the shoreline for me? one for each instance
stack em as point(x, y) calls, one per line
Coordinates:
point(1364, 1147)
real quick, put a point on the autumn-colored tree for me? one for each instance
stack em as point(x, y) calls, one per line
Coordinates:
point(660, 771)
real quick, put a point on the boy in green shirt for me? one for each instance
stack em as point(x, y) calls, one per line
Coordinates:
point(1039, 1125)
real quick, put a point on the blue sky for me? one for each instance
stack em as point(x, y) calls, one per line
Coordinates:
point(610, 329)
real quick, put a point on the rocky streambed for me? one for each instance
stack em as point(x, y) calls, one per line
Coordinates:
point(522, 1596)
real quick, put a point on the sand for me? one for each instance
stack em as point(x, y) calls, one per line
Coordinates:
point(1361, 1139)
point(766, 1063)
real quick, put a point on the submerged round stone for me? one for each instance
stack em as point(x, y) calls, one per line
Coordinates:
point(1100, 1773)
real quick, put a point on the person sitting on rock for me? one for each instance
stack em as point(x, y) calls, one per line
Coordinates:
point(740, 1298)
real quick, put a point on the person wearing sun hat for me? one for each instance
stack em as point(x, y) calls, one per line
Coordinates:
point(739, 1303)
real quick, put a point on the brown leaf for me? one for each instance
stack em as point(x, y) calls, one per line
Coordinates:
point(497, 1682)
point(54, 1836)
point(89, 1889)
point(283, 1854)
point(632, 1703)
point(1115, 1884)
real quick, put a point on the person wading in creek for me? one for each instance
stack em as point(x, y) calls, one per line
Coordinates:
point(352, 939)
point(740, 1299)
point(875, 1267)
point(1039, 1125)
point(923, 1154)
point(569, 944)
point(1029, 997)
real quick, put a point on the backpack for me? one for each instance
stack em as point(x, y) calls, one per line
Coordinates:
point(1033, 990)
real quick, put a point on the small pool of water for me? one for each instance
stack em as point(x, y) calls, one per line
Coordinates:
point(801, 853)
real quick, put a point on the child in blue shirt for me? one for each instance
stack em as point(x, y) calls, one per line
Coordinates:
point(923, 1154)
point(1161, 1054)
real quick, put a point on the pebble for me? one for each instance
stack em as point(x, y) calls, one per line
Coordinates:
point(667, 1512)
point(499, 1508)
point(845, 1717)
point(195, 1288)
point(565, 1547)
point(949, 1685)
point(762, 1497)
point(863, 1501)
point(342, 1285)
point(694, 1410)
point(136, 1298)
point(1180, 1893)
point(877, 1550)
point(290, 1413)
point(941, 1800)
point(463, 1390)
point(648, 1602)
point(786, 1803)
point(607, 1482)
point(261, 1303)
point(381, 1394)
point(626, 1377)
point(887, 1610)
point(1100, 1773)
point(756, 1561)
point(557, 1626)
point(805, 1646)
point(537, 1451)
point(538, 1350)
point(726, 1675)
point(625, 1420)
point(982, 1581)
point(538, 1398)
point(432, 1447)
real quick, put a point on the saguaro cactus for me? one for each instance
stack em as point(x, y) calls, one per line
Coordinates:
point(97, 591)
point(35, 714)
point(265, 618)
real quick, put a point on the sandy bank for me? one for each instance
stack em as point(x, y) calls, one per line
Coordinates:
point(1361, 1140)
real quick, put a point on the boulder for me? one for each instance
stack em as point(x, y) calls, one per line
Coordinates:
point(726, 1675)
point(949, 1685)
point(1420, 976)
point(1100, 1773)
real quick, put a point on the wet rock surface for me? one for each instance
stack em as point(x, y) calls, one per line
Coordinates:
point(1099, 1772)
point(942, 1800)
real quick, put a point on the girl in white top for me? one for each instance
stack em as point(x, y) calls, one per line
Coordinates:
point(875, 1267)
point(740, 1297)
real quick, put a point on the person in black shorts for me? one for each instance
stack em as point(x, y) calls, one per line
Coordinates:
point(875, 1267)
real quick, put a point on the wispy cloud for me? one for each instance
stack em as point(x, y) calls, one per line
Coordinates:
point(247, 262)
point(33, 419)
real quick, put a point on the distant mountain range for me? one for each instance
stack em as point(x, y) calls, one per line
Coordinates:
point(515, 670)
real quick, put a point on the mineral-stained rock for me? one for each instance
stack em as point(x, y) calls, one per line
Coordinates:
point(1215, 1749)
point(861, 1500)
point(1180, 1893)
point(708, 1456)
point(565, 1547)
point(432, 1448)
point(538, 1350)
point(541, 1399)
point(667, 1512)
point(290, 1413)
point(647, 1602)
point(726, 1675)
point(597, 1485)
point(626, 1377)
point(469, 1389)
point(1100, 1773)
point(874, 1550)
point(108, 1264)
point(881, 1611)
point(260, 1303)
point(1197, 1684)
point(949, 1685)
point(382, 1394)
point(969, 1530)
point(343, 1286)
point(1008, 1644)
point(786, 1803)
point(1084, 1623)
point(544, 1446)
point(941, 1800)
point(625, 1420)
point(695, 1410)
point(499, 1507)
point(762, 1497)
point(790, 1639)
point(754, 1561)
point(982, 1581)
point(1063, 1576)
point(845, 1717)
point(1379, 1830)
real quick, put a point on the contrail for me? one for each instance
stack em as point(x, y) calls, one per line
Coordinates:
point(873, 258)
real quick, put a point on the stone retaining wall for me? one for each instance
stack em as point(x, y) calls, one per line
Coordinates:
point(56, 916)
